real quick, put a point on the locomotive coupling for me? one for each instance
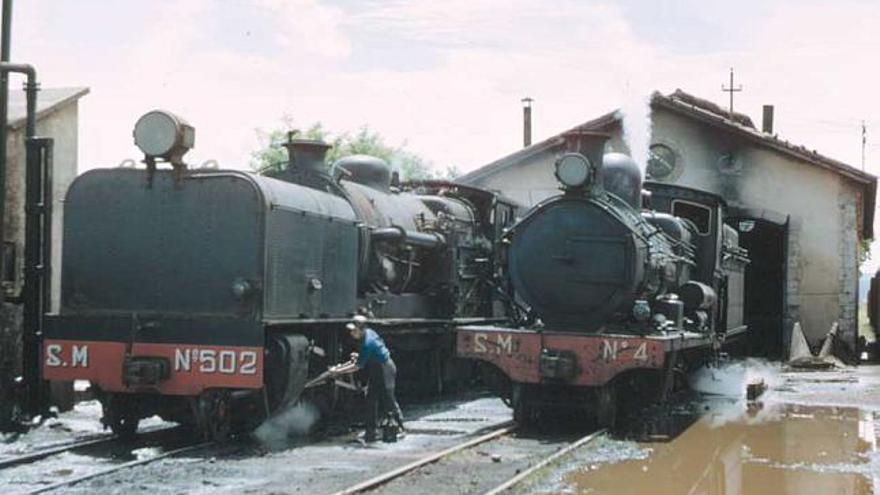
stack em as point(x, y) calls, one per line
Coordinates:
point(558, 365)
point(145, 371)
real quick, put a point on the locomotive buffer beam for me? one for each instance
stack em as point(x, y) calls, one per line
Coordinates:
point(575, 359)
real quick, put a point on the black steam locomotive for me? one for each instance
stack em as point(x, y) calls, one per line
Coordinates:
point(616, 298)
point(211, 296)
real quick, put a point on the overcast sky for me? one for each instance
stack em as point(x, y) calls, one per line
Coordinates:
point(446, 77)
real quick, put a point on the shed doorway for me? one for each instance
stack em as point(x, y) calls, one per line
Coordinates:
point(765, 277)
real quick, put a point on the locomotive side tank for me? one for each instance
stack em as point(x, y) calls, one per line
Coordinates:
point(620, 300)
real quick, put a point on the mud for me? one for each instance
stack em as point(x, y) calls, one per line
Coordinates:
point(812, 433)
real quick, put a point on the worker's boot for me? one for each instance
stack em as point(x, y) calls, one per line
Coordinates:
point(389, 429)
point(370, 436)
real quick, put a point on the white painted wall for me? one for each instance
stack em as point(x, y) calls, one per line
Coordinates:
point(62, 126)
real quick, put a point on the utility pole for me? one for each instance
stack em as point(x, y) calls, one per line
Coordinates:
point(864, 141)
point(731, 90)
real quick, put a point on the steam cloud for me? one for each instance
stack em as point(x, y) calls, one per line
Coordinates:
point(295, 421)
point(636, 115)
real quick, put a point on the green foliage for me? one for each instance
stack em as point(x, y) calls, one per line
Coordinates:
point(272, 155)
point(864, 250)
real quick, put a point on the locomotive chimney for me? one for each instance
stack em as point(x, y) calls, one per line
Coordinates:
point(527, 121)
point(306, 154)
point(591, 144)
point(767, 121)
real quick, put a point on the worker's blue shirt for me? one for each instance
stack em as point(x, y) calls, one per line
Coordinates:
point(372, 347)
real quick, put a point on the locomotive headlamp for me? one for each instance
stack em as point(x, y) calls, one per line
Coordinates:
point(161, 134)
point(573, 169)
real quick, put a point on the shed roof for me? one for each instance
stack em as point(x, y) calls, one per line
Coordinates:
point(709, 114)
point(49, 100)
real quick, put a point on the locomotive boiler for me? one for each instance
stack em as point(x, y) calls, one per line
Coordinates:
point(210, 296)
point(615, 296)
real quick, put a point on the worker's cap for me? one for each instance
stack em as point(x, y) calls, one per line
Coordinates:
point(350, 326)
point(359, 320)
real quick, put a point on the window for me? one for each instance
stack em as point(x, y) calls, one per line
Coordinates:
point(662, 162)
point(697, 213)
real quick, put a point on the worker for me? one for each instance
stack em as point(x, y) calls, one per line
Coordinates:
point(381, 374)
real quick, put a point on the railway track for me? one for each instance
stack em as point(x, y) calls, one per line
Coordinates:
point(50, 450)
point(117, 467)
point(15, 472)
point(524, 475)
point(376, 483)
point(40, 453)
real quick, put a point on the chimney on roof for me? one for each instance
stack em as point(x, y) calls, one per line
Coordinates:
point(767, 120)
point(527, 121)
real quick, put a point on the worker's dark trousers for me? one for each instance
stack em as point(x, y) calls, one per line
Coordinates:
point(380, 393)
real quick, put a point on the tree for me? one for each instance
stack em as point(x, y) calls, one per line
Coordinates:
point(273, 156)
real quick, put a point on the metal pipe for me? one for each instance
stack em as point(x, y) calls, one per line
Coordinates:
point(767, 120)
point(37, 254)
point(30, 87)
point(5, 40)
point(527, 121)
point(38, 156)
point(400, 235)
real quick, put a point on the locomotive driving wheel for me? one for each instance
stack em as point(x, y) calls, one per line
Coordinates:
point(215, 415)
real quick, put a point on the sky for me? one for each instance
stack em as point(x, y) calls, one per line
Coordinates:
point(445, 78)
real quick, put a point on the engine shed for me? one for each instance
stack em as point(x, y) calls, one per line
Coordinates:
point(804, 217)
point(57, 117)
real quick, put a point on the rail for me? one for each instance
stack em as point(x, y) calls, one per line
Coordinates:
point(54, 449)
point(118, 467)
point(504, 429)
point(507, 485)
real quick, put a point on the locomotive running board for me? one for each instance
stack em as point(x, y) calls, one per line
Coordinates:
point(595, 358)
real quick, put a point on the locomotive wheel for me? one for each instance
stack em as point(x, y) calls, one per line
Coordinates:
point(523, 409)
point(523, 413)
point(216, 415)
point(606, 406)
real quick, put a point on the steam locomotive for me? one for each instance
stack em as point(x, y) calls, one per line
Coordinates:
point(617, 301)
point(211, 296)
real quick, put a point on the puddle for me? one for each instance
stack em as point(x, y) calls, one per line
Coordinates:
point(736, 450)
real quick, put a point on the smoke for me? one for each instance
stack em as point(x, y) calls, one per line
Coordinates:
point(636, 115)
point(730, 379)
point(295, 421)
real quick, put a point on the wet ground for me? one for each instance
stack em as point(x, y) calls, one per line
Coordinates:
point(309, 466)
point(811, 433)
